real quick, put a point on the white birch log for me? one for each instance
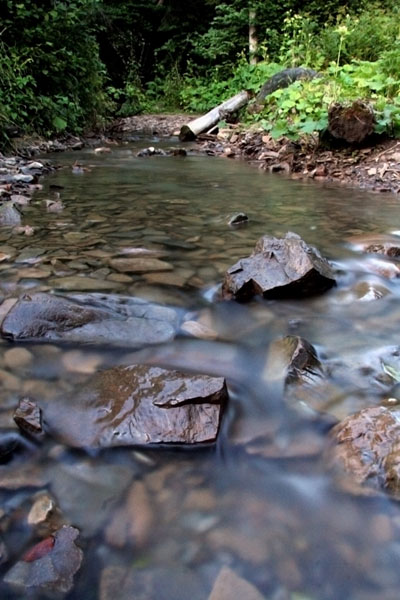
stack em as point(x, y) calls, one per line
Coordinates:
point(205, 122)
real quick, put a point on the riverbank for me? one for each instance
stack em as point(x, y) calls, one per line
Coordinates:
point(375, 167)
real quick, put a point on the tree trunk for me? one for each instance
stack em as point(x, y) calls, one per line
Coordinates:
point(253, 40)
point(204, 123)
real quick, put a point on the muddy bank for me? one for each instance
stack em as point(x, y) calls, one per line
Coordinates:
point(375, 167)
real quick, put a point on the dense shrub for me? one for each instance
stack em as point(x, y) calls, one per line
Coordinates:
point(51, 77)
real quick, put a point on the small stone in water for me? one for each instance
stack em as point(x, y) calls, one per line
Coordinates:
point(28, 416)
point(102, 150)
point(229, 586)
point(41, 509)
point(239, 219)
point(18, 358)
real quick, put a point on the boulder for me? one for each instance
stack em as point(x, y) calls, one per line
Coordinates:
point(278, 268)
point(88, 318)
point(49, 566)
point(367, 445)
point(139, 405)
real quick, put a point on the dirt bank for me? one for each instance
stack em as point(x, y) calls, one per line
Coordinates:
point(375, 167)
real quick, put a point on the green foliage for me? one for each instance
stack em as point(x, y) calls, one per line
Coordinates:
point(302, 108)
point(51, 77)
point(202, 94)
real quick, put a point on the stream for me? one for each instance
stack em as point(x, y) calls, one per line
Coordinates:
point(159, 523)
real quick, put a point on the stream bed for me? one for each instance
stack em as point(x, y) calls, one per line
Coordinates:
point(159, 523)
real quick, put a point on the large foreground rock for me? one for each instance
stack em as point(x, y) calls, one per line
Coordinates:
point(139, 405)
point(88, 318)
point(367, 445)
point(278, 268)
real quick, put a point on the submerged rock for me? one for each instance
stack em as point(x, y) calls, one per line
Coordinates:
point(92, 319)
point(161, 583)
point(9, 215)
point(139, 265)
point(229, 586)
point(151, 151)
point(278, 268)
point(389, 245)
point(238, 219)
point(367, 445)
point(293, 359)
point(139, 405)
point(49, 566)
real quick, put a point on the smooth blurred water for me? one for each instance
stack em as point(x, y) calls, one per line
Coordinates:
point(276, 516)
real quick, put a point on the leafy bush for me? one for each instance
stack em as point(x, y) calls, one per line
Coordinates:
point(302, 108)
point(202, 94)
point(51, 75)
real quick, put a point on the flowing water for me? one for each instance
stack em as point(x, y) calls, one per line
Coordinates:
point(272, 512)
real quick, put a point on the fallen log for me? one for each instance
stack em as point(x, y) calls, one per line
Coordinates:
point(282, 79)
point(205, 122)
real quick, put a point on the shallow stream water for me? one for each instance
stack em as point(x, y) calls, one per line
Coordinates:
point(273, 512)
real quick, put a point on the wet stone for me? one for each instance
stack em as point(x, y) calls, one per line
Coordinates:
point(293, 359)
point(367, 445)
point(18, 358)
point(44, 514)
point(89, 318)
point(28, 416)
point(139, 265)
point(50, 565)
point(172, 583)
point(101, 485)
point(238, 220)
point(151, 151)
point(9, 215)
point(78, 283)
point(132, 523)
point(139, 405)
point(389, 245)
point(278, 268)
point(229, 586)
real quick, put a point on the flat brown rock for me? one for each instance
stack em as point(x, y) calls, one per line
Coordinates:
point(367, 445)
point(139, 405)
point(139, 265)
point(278, 268)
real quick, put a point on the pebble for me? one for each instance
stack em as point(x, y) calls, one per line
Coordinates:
point(76, 361)
point(9, 381)
point(18, 358)
point(41, 509)
point(139, 265)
